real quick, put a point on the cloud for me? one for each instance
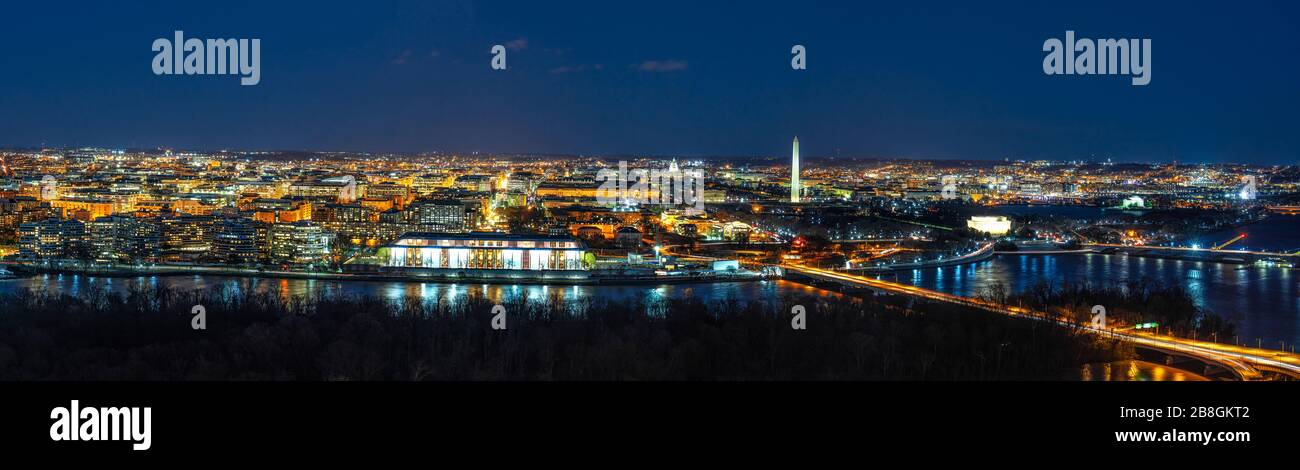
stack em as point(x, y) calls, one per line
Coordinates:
point(517, 44)
point(660, 66)
point(576, 68)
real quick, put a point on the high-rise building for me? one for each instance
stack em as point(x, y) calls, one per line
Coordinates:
point(300, 242)
point(186, 235)
point(794, 173)
point(121, 237)
point(52, 238)
point(235, 241)
point(440, 216)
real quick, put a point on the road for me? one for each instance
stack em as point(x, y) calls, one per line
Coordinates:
point(1246, 362)
point(1198, 250)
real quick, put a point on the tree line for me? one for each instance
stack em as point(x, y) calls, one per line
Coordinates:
point(146, 334)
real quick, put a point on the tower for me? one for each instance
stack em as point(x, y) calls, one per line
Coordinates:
point(794, 173)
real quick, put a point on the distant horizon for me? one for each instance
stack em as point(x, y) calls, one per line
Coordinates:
point(803, 155)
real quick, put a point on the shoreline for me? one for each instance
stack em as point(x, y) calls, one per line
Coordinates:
point(20, 271)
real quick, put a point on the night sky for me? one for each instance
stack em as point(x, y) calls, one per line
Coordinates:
point(898, 79)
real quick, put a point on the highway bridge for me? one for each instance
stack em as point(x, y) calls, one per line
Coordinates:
point(1286, 210)
point(1239, 362)
point(1200, 254)
point(1242, 363)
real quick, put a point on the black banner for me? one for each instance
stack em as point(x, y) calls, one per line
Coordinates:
point(323, 420)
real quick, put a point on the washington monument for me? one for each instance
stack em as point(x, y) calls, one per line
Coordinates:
point(794, 173)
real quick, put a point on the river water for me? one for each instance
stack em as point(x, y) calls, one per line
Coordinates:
point(1263, 302)
point(650, 296)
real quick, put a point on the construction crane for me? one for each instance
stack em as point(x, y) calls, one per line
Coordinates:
point(1229, 242)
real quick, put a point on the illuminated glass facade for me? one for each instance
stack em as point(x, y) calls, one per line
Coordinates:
point(485, 251)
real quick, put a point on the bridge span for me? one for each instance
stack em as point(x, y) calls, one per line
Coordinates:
point(1244, 363)
point(1195, 254)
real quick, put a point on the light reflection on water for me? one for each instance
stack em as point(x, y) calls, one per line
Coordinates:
point(650, 296)
point(1263, 302)
point(1130, 371)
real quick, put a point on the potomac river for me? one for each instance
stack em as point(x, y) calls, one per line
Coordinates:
point(1263, 302)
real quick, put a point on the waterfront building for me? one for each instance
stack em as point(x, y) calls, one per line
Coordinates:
point(125, 238)
point(299, 242)
point(235, 241)
point(485, 251)
point(185, 235)
point(52, 238)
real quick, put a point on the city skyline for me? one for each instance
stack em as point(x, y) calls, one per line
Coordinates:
point(254, 153)
point(290, 227)
point(433, 225)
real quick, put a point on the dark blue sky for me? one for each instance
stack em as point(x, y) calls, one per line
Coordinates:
point(899, 79)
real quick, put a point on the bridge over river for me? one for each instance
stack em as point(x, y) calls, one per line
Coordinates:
point(1223, 360)
point(1196, 254)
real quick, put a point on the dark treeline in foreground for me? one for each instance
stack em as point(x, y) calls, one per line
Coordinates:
point(147, 335)
point(1126, 304)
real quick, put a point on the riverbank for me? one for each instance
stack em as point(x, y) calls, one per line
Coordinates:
point(334, 330)
point(483, 276)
